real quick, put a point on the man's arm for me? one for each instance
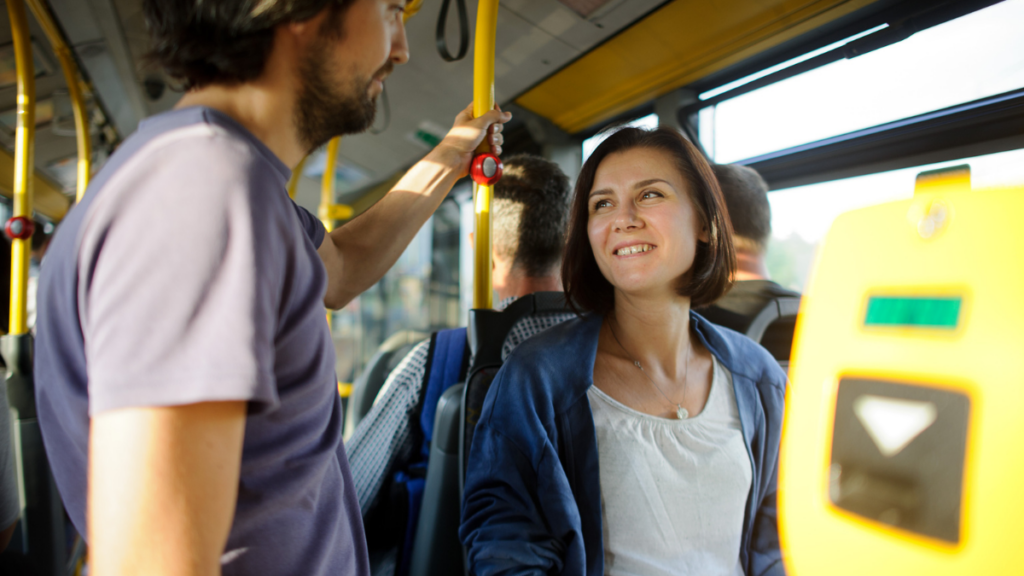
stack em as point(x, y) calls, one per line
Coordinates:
point(358, 254)
point(162, 488)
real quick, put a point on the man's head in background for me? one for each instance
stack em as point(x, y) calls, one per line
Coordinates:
point(529, 215)
point(746, 196)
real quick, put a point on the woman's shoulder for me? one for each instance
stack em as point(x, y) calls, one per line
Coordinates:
point(556, 364)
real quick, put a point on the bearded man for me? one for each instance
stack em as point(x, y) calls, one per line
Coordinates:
point(184, 370)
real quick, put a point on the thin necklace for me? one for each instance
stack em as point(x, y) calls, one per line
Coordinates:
point(681, 413)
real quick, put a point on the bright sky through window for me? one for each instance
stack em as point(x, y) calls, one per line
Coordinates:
point(978, 55)
point(590, 144)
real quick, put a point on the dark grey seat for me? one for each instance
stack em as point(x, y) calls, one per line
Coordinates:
point(773, 327)
point(437, 549)
point(369, 382)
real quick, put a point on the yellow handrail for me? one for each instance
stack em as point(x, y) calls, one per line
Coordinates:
point(293, 183)
point(329, 212)
point(24, 147)
point(411, 8)
point(483, 102)
point(70, 68)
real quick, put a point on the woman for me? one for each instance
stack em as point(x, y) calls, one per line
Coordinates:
point(638, 438)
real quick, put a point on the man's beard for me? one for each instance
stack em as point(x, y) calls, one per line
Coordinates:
point(324, 111)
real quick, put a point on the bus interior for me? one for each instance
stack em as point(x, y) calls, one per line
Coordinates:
point(838, 104)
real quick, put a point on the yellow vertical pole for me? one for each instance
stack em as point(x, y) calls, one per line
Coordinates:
point(70, 69)
point(293, 183)
point(327, 184)
point(24, 141)
point(483, 102)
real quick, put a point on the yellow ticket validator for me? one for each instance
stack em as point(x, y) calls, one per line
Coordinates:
point(901, 450)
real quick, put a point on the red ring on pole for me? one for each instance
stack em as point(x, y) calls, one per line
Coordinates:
point(19, 228)
point(486, 169)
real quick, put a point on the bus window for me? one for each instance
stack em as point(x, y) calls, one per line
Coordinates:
point(421, 293)
point(976, 56)
point(802, 215)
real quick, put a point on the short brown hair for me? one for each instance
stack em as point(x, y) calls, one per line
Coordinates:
point(224, 41)
point(746, 197)
point(715, 261)
point(529, 214)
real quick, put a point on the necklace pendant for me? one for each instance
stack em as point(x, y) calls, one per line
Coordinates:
point(681, 412)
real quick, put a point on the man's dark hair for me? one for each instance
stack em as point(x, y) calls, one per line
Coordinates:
point(530, 213)
point(715, 260)
point(202, 42)
point(746, 196)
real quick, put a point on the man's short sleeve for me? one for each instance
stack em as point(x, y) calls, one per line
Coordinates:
point(314, 228)
point(181, 263)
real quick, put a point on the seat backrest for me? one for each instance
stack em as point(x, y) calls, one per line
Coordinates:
point(488, 330)
point(369, 382)
point(436, 548)
point(773, 327)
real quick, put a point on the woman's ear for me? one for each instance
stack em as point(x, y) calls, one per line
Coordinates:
point(704, 236)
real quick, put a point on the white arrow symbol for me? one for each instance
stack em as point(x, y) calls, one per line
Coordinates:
point(893, 423)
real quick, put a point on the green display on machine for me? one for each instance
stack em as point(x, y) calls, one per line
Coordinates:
point(915, 312)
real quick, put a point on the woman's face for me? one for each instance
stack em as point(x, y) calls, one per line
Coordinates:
point(643, 226)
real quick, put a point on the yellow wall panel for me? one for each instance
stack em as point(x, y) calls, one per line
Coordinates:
point(680, 43)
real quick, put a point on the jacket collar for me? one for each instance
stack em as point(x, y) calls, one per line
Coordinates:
point(711, 337)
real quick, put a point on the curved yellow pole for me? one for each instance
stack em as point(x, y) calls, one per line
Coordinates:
point(24, 147)
point(483, 102)
point(70, 69)
point(71, 78)
point(411, 8)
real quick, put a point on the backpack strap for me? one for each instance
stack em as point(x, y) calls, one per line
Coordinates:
point(448, 365)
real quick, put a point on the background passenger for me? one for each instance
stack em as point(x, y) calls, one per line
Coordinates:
point(184, 367)
point(746, 196)
point(529, 214)
point(638, 438)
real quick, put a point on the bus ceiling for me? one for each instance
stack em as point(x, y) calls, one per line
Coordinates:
point(568, 65)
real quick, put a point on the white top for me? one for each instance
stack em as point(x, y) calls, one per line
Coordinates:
point(673, 492)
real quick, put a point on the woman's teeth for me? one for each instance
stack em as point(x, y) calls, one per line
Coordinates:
point(634, 249)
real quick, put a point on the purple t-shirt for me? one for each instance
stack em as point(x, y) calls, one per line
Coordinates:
point(187, 275)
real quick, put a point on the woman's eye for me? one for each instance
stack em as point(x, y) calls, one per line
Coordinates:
point(650, 194)
point(601, 204)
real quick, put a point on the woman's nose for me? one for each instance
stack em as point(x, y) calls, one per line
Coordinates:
point(627, 217)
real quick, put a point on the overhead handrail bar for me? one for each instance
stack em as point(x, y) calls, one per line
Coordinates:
point(71, 78)
point(19, 227)
point(483, 102)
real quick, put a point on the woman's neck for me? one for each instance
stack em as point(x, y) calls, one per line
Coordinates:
point(654, 331)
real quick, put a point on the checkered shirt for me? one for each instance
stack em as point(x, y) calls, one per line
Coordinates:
point(386, 429)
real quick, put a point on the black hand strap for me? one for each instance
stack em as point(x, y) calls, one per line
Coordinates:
point(440, 36)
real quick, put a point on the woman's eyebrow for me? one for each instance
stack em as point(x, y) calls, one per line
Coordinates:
point(643, 183)
point(601, 192)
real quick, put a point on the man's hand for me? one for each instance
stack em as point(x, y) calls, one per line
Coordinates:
point(358, 254)
point(162, 488)
point(460, 145)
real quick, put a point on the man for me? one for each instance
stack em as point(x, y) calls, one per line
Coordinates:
point(529, 215)
point(184, 369)
point(746, 197)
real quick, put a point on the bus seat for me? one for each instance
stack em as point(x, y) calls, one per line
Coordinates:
point(773, 327)
point(437, 549)
point(487, 332)
point(373, 376)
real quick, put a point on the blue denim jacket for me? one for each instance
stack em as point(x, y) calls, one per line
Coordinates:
point(533, 494)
